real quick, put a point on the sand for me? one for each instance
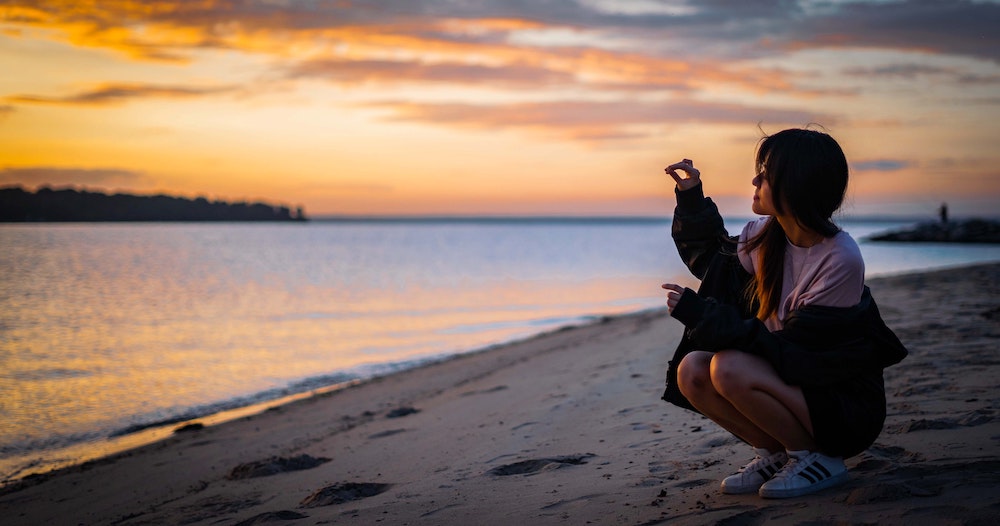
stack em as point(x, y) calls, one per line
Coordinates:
point(565, 428)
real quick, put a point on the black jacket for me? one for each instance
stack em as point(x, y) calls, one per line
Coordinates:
point(818, 346)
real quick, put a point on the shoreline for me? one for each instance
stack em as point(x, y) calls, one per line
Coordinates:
point(41, 461)
point(45, 462)
point(49, 462)
point(564, 427)
point(29, 465)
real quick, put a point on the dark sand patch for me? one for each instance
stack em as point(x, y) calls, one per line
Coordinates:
point(527, 467)
point(272, 516)
point(401, 412)
point(344, 492)
point(486, 391)
point(387, 433)
point(214, 507)
point(274, 465)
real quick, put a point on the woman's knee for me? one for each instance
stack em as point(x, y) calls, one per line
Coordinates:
point(729, 373)
point(694, 373)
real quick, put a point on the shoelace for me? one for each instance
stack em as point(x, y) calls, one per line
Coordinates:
point(788, 469)
point(752, 464)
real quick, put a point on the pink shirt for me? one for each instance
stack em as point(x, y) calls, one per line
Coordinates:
point(830, 273)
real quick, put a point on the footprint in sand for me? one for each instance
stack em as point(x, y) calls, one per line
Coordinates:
point(401, 412)
point(970, 419)
point(387, 433)
point(344, 492)
point(211, 508)
point(527, 467)
point(272, 516)
point(486, 391)
point(694, 483)
point(893, 454)
point(273, 466)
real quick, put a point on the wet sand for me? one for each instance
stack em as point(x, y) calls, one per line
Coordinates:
point(565, 428)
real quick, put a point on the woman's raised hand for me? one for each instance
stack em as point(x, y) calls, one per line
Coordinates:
point(674, 293)
point(691, 177)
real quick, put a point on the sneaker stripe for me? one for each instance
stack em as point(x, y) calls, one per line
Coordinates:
point(808, 477)
point(767, 472)
point(816, 472)
point(821, 468)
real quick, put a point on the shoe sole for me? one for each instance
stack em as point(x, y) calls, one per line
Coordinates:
point(740, 491)
point(776, 493)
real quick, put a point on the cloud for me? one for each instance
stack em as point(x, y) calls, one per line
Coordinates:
point(396, 71)
point(904, 71)
point(537, 69)
point(637, 46)
point(171, 29)
point(590, 120)
point(957, 27)
point(118, 93)
point(601, 47)
point(6, 110)
point(526, 72)
point(910, 71)
point(34, 176)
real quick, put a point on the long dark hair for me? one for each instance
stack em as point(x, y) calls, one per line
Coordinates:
point(807, 173)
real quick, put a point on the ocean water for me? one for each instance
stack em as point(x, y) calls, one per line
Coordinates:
point(110, 331)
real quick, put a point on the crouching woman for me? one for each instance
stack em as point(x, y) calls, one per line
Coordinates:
point(784, 346)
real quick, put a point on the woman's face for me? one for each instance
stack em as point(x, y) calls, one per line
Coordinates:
point(763, 204)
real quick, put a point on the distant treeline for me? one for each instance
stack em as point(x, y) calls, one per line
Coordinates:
point(47, 204)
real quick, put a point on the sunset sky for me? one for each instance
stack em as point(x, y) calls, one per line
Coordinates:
point(497, 108)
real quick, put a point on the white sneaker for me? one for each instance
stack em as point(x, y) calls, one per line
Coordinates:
point(806, 472)
point(750, 477)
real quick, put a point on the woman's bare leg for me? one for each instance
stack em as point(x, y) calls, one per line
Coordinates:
point(694, 378)
point(755, 391)
point(743, 394)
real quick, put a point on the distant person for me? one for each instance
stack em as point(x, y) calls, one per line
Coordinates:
point(784, 346)
point(943, 212)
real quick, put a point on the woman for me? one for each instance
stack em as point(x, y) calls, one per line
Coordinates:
point(784, 346)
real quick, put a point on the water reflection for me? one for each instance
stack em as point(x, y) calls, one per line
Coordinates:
point(107, 326)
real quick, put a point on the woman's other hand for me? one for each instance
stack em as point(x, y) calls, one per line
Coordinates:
point(674, 292)
point(691, 177)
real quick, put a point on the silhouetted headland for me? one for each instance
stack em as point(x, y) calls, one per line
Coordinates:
point(47, 204)
point(946, 231)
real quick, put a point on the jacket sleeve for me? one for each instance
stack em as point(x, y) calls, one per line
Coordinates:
point(698, 230)
point(715, 326)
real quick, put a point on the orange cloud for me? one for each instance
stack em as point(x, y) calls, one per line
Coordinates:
point(133, 27)
point(349, 44)
point(395, 71)
point(589, 120)
point(117, 94)
point(166, 29)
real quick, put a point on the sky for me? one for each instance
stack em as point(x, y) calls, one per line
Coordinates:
point(514, 107)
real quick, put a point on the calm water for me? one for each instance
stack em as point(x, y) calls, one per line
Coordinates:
point(109, 328)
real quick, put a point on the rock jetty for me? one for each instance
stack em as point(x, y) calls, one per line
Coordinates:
point(964, 231)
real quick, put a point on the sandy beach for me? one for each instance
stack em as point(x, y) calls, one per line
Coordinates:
point(565, 428)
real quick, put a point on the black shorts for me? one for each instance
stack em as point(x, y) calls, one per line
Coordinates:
point(847, 417)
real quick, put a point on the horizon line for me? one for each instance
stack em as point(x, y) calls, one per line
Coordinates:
point(565, 218)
